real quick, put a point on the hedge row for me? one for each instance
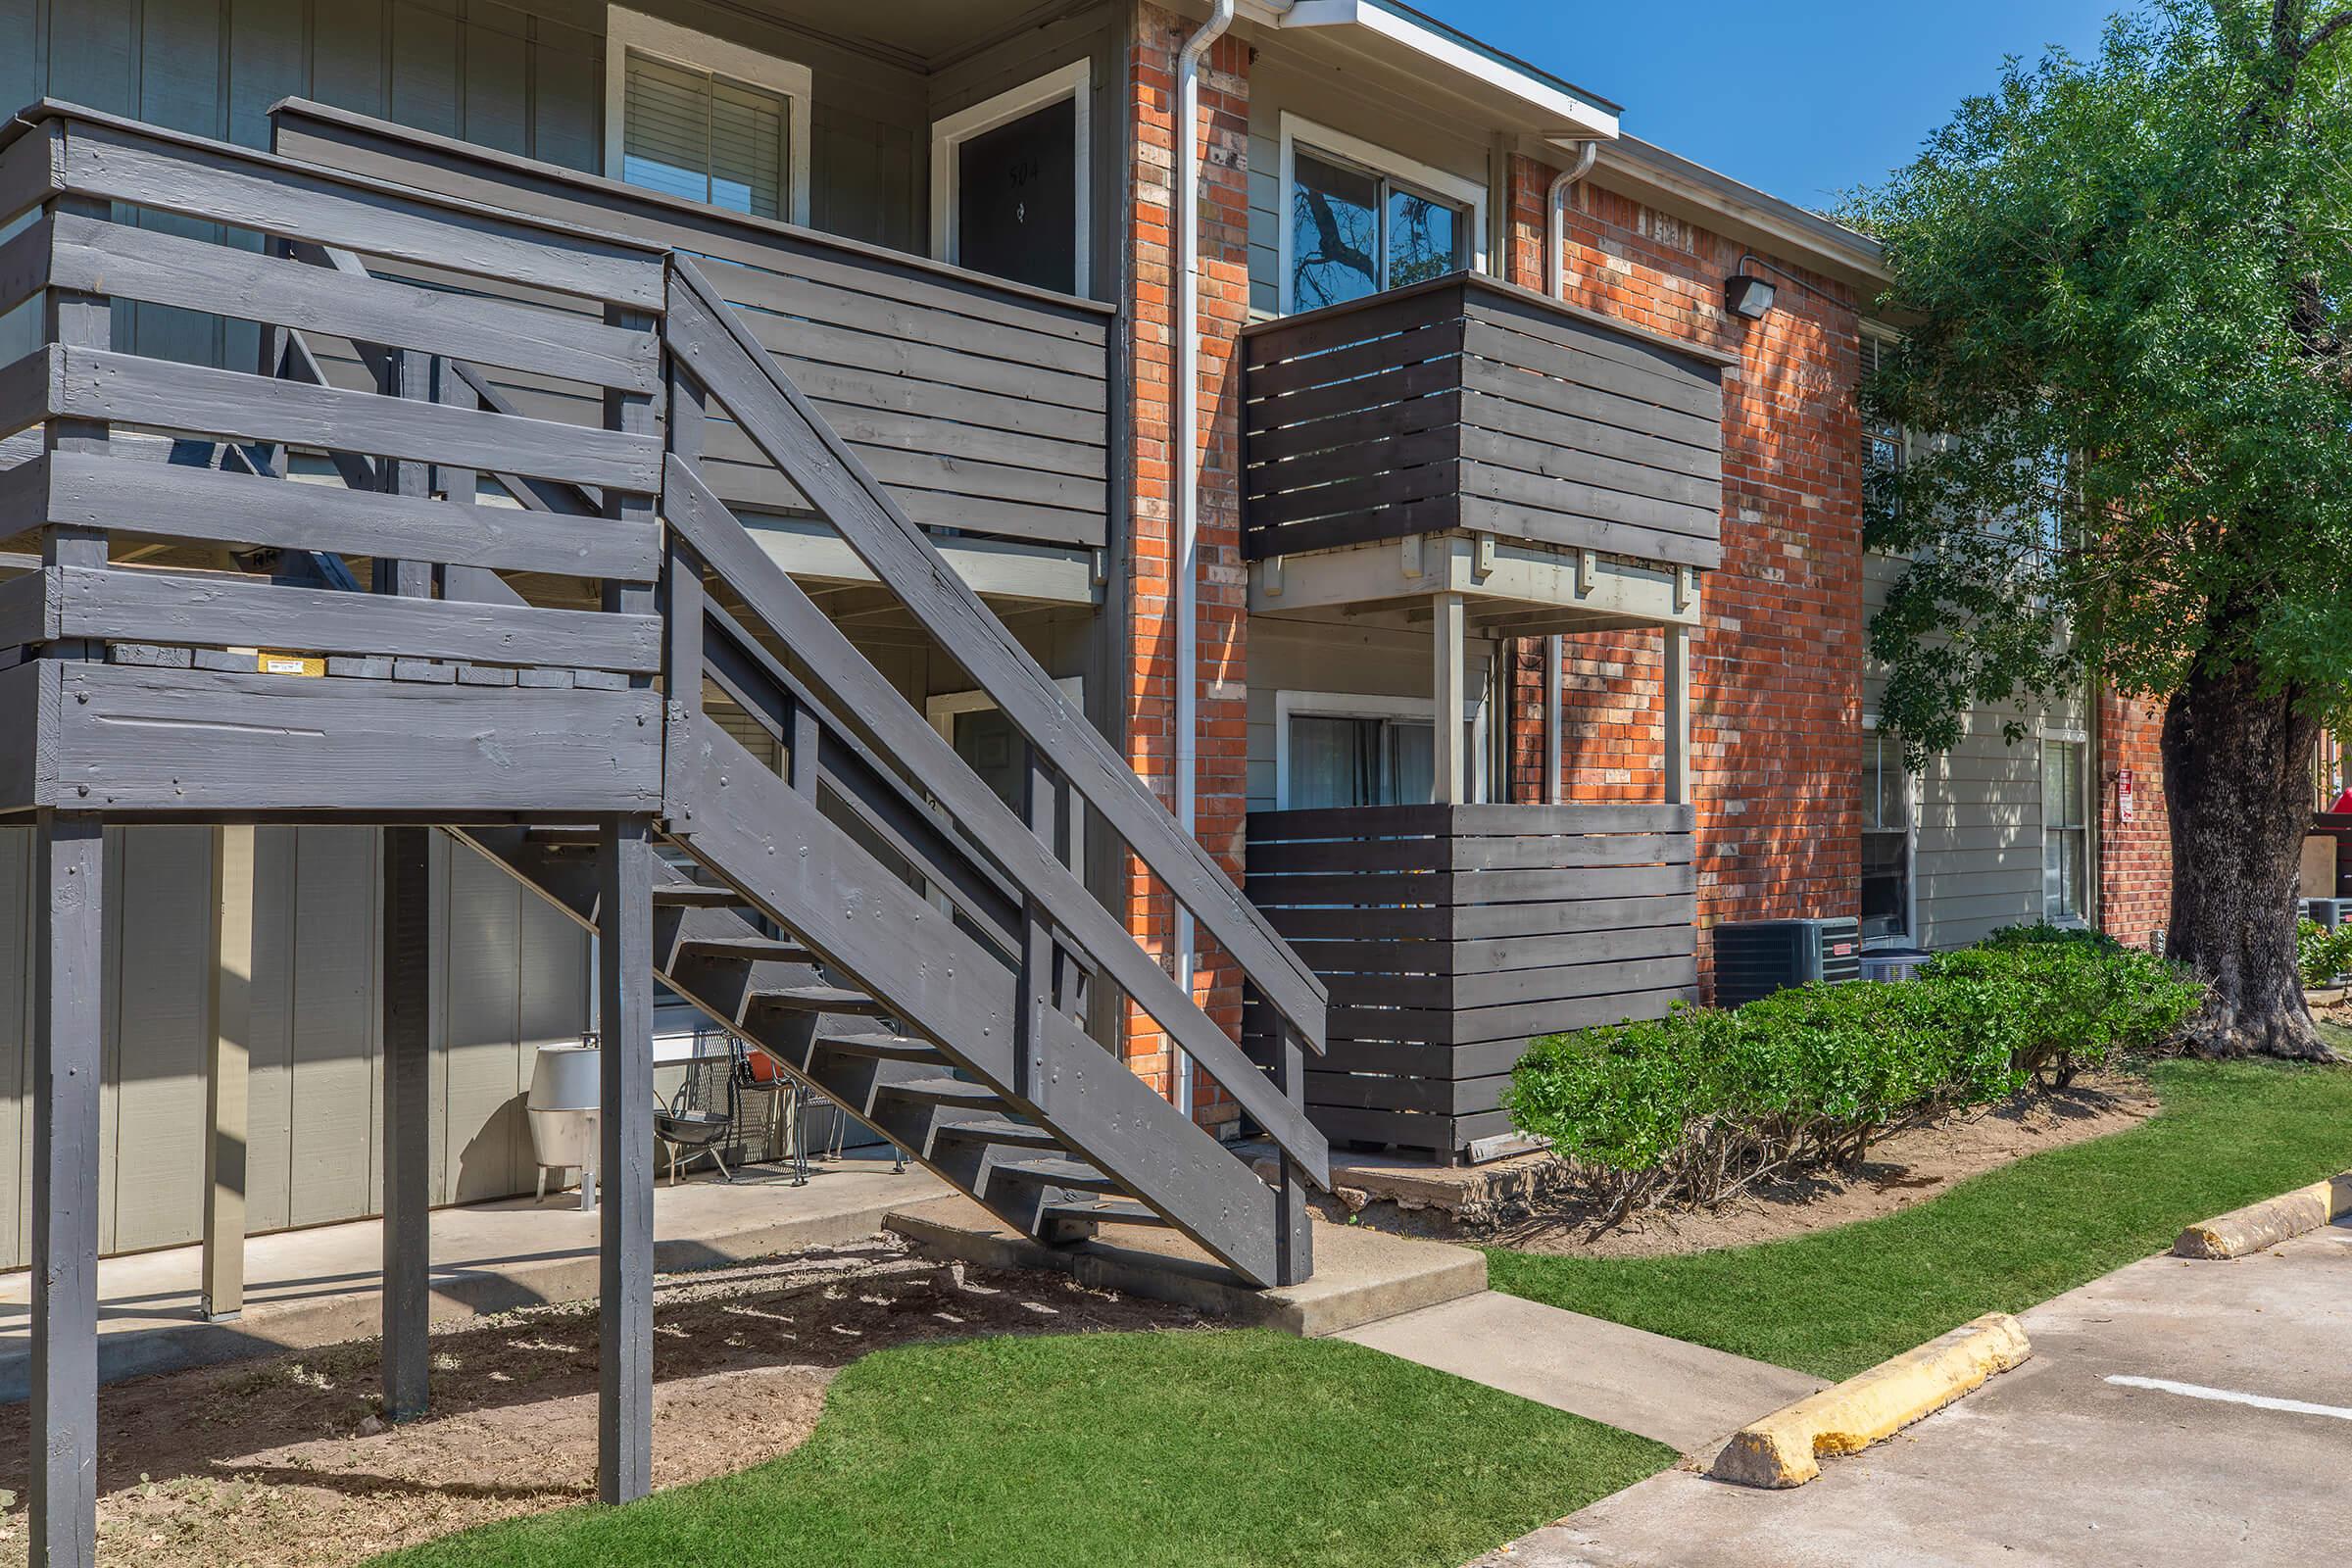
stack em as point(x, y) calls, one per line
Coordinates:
point(1702, 1104)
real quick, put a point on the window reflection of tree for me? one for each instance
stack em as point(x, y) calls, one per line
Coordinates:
point(1421, 242)
point(1339, 262)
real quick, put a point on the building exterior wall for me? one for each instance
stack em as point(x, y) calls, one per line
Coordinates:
point(1979, 809)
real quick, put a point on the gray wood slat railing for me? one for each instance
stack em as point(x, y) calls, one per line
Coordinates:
point(1468, 403)
point(165, 636)
point(1450, 935)
point(982, 405)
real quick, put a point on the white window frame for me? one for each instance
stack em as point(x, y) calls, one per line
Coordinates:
point(1914, 793)
point(1289, 704)
point(1074, 81)
point(2086, 916)
point(626, 30)
point(1338, 145)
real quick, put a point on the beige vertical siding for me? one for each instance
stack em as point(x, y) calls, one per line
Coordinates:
point(1977, 859)
point(511, 975)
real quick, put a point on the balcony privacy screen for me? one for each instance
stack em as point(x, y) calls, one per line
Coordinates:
point(687, 133)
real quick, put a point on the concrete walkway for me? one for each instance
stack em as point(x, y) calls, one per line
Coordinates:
point(2173, 1413)
point(1665, 1389)
point(320, 1285)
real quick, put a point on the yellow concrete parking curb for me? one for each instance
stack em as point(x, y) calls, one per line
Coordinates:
point(1783, 1448)
point(2243, 1232)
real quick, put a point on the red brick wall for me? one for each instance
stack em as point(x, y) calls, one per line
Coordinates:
point(2135, 858)
point(1149, 682)
point(1777, 663)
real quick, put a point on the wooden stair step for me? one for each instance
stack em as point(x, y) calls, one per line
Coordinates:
point(814, 999)
point(696, 895)
point(1122, 1211)
point(942, 1090)
point(886, 1048)
point(1074, 1174)
point(1019, 1134)
point(757, 949)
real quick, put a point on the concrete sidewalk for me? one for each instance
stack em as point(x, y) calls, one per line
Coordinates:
point(2175, 1413)
point(1665, 1389)
point(320, 1285)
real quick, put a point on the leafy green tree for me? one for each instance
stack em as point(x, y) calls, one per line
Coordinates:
point(2127, 287)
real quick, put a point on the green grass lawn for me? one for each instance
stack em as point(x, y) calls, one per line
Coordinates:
point(1198, 1447)
point(1839, 1300)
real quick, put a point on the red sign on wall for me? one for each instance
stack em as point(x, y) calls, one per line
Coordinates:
point(2122, 793)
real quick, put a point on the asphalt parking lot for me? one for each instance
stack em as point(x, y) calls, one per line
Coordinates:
point(2173, 1414)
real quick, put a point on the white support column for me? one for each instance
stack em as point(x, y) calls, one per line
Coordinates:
point(1678, 715)
point(232, 1011)
point(1451, 678)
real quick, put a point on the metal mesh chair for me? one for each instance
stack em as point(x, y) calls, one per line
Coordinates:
point(699, 1119)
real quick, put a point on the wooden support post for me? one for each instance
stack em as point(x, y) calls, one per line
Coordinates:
point(231, 1012)
point(1678, 715)
point(682, 612)
point(1294, 1220)
point(1451, 681)
point(69, 942)
point(407, 1100)
point(407, 1059)
point(1037, 988)
point(69, 932)
point(625, 1158)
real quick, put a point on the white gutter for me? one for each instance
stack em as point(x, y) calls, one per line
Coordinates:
point(1556, 287)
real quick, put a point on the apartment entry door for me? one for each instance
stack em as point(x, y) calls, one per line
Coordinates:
point(1010, 184)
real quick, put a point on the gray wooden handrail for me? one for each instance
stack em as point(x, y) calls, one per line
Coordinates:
point(702, 332)
point(856, 687)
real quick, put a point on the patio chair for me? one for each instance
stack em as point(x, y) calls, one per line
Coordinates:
point(700, 1116)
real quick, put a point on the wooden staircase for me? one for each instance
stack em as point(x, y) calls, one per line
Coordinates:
point(937, 989)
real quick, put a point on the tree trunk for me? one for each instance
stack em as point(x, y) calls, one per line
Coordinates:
point(2237, 789)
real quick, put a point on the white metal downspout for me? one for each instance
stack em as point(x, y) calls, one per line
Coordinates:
point(1184, 461)
point(1556, 287)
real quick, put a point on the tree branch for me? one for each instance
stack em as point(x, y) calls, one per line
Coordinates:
point(2327, 30)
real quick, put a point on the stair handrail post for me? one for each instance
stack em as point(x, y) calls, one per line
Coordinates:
point(682, 604)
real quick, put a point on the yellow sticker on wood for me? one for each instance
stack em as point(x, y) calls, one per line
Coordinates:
point(269, 663)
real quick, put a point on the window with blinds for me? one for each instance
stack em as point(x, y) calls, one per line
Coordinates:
point(694, 133)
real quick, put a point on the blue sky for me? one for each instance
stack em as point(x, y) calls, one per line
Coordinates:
point(1802, 100)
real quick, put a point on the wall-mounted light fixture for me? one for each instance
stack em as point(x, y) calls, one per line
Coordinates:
point(1747, 296)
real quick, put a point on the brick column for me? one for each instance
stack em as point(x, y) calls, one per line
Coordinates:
point(1149, 682)
point(2135, 858)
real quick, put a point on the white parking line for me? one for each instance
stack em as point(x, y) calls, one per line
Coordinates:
point(2260, 1401)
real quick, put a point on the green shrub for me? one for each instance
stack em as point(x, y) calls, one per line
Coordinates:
point(2321, 954)
point(2043, 934)
point(1703, 1104)
point(2062, 1007)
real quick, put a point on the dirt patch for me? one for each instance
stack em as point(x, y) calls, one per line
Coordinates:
point(1908, 1168)
point(287, 1462)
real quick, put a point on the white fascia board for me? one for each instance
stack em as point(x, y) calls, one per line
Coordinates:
point(1575, 118)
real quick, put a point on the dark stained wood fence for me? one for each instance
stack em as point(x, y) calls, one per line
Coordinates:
point(1468, 403)
point(982, 405)
point(1451, 935)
